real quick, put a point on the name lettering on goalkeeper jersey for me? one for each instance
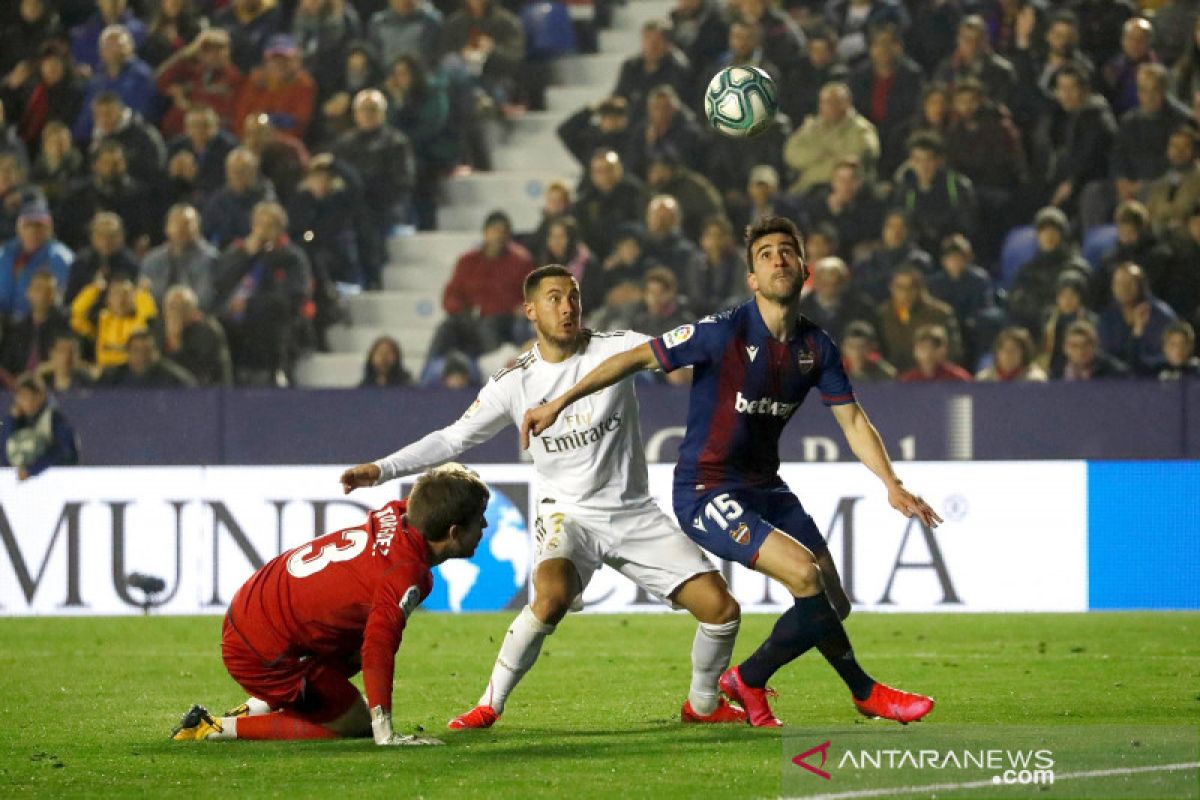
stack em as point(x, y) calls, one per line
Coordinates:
point(576, 439)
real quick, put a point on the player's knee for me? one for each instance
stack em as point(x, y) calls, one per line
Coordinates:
point(728, 611)
point(804, 578)
point(551, 606)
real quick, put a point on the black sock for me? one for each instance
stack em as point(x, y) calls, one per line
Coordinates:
point(811, 621)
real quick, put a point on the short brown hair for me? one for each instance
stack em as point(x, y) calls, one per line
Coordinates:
point(1021, 338)
point(444, 496)
point(663, 276)
point(534, 279)
point(1180, 328)
point(765, 227)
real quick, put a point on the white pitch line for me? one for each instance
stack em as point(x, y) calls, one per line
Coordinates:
point(946, 787)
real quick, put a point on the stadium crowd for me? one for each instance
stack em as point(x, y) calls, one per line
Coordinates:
point(990, 189)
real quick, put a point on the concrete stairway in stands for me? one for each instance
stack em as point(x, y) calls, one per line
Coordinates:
point(527, 156)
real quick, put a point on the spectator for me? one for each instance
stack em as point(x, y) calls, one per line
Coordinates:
point(716, 280)
point(281, 156)
point(1012, 359)
point(665, 243)
point(836, 133)
point(821, 242)
point(184, 258)
point(745, 49)
point(22, 38)
point(1136, 243)
point(263, 290)
point(1073, 139)
point(457, 373)
point(933, 116)
point(1100, 26)
point(484, 294)
point(833, 303)
point(1174, 24)
point(873, 274)
point(196, 158)
point(1131, 327)
point(782, 39)
point(25, 341)
point(323, 31)
point(621, 280)
point(54, 93)
point(973, 59)
point(1181, 289)
point(1037, 280)
point(64, 369)
point(15, 192)
point(563, 246)
point(105, 258)
point(228, 212)
point(940, 200)
point(145, 368)
point(87, 39)
point(59, 165)
point(853, 19)
point(556, 205)
point(406, 28)
point(930, 351)
point(10, 140)
point(490, 42)
point(622, 304)
point(1083, 360)
point(1070, 305)
point(201, 75)
point(106, 314)
point(1038, 68)
point(281, 88)
point(666, 125)
point(1179, 347)
point(120, 72)
point(145, 153)
point(609, 198)
point(961, 283)
point(33, 250)
point(251, 24)
point(662, 310)
point(112, 189)
point(910, 308)
point(336, 90)
point(175, 23)
point(36, 435)
point(861, 357)
point(695, 195)
point(1185, 75)
point(1139, 154)
point(194, 341)
point(384, 158)
point(658, 64)
point(762, 199)
point(419, 108)
point(700, 31)
point(850, 204)
point(1120, 73)
point(385, 365)
point(1170, 198)
point(817, 67)
point(887, 87)
point(325, 216)
point(602, 126)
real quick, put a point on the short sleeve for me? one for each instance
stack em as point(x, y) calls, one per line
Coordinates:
point(685, 346)
point(833, 383)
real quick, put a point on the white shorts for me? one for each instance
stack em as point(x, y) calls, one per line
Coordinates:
point(642, 543)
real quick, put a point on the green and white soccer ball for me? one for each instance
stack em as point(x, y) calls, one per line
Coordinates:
point(741, 101)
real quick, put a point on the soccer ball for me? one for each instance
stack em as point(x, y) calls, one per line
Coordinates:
point(741, 101)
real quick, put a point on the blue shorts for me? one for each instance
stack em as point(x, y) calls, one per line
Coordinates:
point(733, 523)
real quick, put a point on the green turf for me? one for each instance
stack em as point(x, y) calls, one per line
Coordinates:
point(86, 704)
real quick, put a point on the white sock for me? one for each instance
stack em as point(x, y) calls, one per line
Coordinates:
point(520, 650)
point(711, 651)
point(257, 707)
point(228, 729)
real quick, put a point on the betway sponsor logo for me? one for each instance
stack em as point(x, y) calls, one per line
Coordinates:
point(581, 438)
point(766, 405)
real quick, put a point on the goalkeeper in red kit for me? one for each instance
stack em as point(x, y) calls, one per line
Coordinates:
point(304, 624)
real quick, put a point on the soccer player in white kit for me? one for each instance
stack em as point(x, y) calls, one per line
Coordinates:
point(594, 505)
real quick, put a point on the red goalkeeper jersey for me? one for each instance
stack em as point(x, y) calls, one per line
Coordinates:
point(343, 594)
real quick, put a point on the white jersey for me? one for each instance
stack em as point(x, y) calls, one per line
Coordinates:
point(592, 455)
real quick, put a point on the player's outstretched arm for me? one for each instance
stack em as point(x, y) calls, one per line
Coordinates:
point(606, 373)
point(360, 477)
point(868, 447)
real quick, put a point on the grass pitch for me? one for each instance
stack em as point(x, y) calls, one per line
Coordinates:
point(86, 704)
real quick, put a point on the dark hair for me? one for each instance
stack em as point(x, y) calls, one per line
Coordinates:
point(934, 332)
point(1071, 71)
point(766, 226)
point(661, 275)
point(108, 98)
point(926, 140)
point(535, 278)
point(397, 375)
point(444, 496)
point(1021, 338)
point(420, 79)
point(498, 217)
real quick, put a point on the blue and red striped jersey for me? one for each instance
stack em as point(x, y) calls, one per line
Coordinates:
point(745, 387)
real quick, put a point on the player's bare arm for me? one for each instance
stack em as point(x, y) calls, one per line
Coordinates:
point(610, 371)
point(868, 447)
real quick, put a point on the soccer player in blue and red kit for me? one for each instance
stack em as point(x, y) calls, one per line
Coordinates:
point(753, 366)
point(306, 622)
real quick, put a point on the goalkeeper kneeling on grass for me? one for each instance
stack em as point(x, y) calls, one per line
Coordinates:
point(307, 621)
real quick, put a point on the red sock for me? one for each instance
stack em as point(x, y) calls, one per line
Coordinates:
point(281, 725)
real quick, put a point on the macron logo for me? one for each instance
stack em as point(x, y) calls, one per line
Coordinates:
point(766, 405)
point(751, 351)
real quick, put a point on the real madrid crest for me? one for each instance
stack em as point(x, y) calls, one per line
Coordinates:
point(805, 360)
